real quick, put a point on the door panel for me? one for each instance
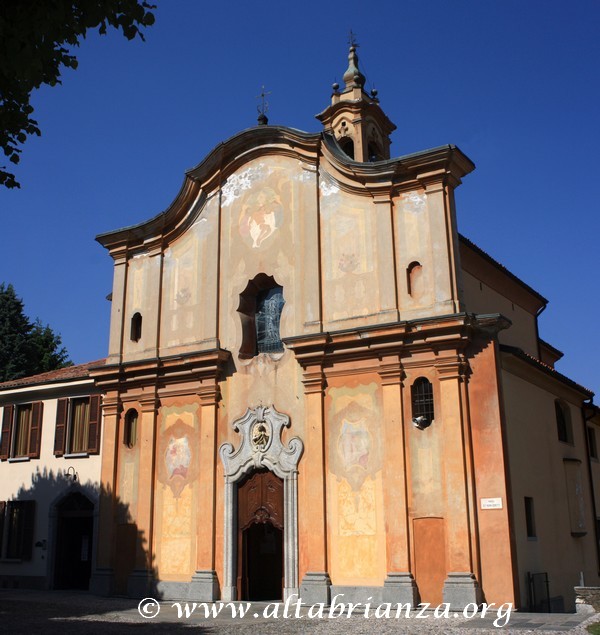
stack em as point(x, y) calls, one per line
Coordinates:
point(430, 558)
point(260, 537)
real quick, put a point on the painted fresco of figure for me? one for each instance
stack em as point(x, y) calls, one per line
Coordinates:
point(261, 216)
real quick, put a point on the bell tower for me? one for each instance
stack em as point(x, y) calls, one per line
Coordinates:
point(356, 119)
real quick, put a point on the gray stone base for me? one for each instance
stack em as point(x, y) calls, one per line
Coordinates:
point(356, 594)
point(315, 588)
point(170, 590)
point(204, 586)
point(460, 589)
point(400, 587)
point(587, 599)
point(140, 584)
point(101, 582)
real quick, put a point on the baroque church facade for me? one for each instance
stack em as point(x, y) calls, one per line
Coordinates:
point(316, 386)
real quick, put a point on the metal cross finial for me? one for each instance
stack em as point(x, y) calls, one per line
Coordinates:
point(352, 39)
point(264, 106)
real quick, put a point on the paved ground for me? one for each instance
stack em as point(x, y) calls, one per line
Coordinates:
point(26, 612)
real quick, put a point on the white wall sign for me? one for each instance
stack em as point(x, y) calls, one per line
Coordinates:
point(491, 503)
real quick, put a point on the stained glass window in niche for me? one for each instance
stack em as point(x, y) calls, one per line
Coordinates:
point(269, 305)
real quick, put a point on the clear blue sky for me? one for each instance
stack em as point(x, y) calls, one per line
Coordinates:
point(515, 84)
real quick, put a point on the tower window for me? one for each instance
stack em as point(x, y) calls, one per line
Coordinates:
point(422, 403)
point(374, 153)
point(136, 327)
point(261, 304)
point(347, 145)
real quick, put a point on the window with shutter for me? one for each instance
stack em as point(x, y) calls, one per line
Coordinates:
point(78, 426)
point(61, 427)
point(21, 431)
point(2, 514)
point(7, 417)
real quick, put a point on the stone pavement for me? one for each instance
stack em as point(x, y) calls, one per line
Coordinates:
point(26, 612)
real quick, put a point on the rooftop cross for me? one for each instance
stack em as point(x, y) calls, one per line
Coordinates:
point(263, 107)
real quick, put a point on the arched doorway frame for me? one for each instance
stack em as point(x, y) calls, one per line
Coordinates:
point(53, 512)
point(261, 447)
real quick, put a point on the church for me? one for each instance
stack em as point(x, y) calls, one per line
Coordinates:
point(314, 386)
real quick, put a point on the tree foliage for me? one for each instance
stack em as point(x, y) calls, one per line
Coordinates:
point(26, 348)
point(36, 40)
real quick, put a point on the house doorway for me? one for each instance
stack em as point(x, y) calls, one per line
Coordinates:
point(74, 534)
point(260, 537)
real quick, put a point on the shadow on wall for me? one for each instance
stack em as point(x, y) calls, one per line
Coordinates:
point(74, 544)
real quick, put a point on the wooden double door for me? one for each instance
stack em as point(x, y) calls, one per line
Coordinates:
point(260, 517)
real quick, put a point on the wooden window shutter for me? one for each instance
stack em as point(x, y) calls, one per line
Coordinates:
point(94, 425)
point(27, 528)
point(35, 432)
point(2, 514)
point(60, 432)
point(7, 419)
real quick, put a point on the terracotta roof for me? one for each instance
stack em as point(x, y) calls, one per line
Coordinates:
point(517, 352)
point(80, 371)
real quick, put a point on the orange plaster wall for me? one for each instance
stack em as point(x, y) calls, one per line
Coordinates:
point(355, 503)
point(175, 499)
point(494, 538)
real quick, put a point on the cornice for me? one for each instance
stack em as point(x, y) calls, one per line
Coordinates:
point(446, 163)
point(203, 369)
point(389, 341)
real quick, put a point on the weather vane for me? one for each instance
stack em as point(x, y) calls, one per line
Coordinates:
point(264, 106)
point(352, 40)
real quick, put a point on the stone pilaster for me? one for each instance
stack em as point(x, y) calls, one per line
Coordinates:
point(142, 577)
point(102, 579)
point(461, 586)
point(315, 585)
point(205, 584)
point(399, 585)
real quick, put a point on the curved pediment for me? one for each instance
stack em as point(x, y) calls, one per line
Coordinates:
point(204, 180)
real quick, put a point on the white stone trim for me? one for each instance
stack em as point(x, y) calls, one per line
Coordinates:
point(282, 461)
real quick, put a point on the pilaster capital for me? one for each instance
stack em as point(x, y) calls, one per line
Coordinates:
point(391, 372)
point(209, 394)
point(111, 405)
point(314, 380)
point(149, 403)
point(453, 368)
